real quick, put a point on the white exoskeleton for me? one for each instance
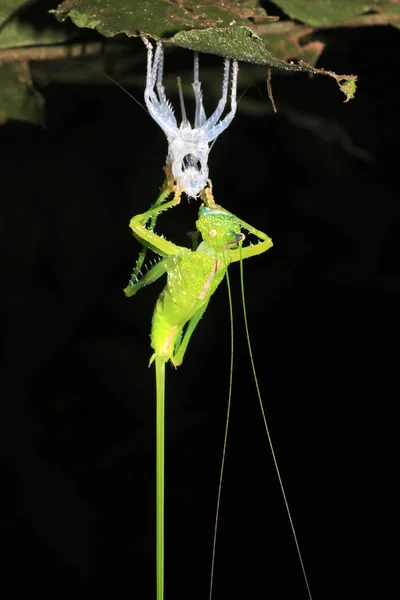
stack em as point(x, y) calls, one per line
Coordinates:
point(188, 147)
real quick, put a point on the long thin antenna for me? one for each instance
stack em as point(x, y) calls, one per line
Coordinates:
point(228, 411)
point(126, 92)
point(277, 470)
point(95, 71)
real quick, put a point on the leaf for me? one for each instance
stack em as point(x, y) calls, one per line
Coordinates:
point(9, 7)
point(33, 27)
point(18, 99)
point(242, 44)
point(199, 26)
point(156, 18)
point(283, 40)
point(239, 43)
point(393, 9)
point(329, 12)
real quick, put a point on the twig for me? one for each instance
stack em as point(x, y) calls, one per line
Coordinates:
point(269, 88)
point(78, 50)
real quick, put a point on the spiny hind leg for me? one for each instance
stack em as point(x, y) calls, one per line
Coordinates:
point(135, 284)
point(182, 343)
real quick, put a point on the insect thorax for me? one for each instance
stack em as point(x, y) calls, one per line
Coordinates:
point(188, 157)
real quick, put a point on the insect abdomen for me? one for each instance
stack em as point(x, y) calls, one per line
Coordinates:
point(192, 279)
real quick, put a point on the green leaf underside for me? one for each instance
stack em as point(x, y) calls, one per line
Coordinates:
point(18, 33)
point(9, 7)
point(328, 12)
point(242, 44)
point(156, 18)
point(204, 26)
point(239, 43)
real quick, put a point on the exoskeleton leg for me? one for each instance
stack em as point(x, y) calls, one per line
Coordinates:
point(200, 115)
point(213, 128)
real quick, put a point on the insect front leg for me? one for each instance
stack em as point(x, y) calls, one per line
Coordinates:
point(144, 233)
point(251, 250)
point(148, 238)
point(166, 191)
point(207, 196)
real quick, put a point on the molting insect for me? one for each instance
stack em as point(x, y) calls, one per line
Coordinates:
point(188, 147)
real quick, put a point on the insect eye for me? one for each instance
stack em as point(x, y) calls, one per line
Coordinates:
point(236, 238)
point(191, 161)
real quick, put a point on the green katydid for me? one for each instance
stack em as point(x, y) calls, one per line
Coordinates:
point(192, 277)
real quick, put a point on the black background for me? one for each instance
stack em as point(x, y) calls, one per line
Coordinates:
point(78, 402)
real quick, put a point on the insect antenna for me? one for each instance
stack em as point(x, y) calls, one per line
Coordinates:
point(228, 412)
point(126, 92)
point(97, 72)
point(274, 458)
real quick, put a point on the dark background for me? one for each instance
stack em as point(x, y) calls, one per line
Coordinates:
point(78, 401)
